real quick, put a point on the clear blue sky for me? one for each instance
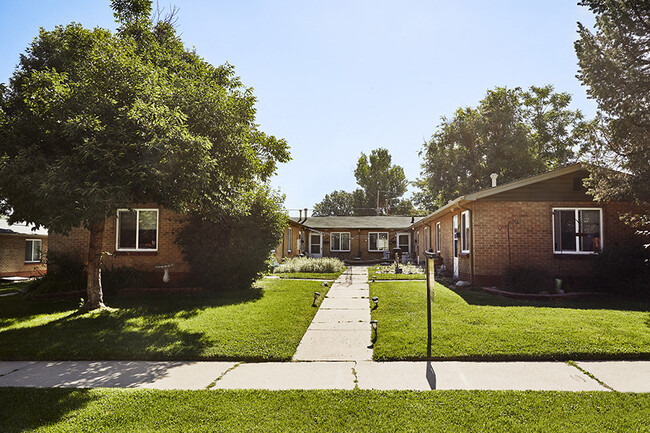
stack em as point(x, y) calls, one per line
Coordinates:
point(339, 77)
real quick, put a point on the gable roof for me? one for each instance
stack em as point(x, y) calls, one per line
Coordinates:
point(357, 222)
point(19, 229)
point(507, 187)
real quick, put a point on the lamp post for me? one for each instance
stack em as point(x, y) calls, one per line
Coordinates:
point(316, 296)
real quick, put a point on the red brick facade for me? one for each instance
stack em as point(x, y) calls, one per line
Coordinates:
point(12, 256)
point(76, 243)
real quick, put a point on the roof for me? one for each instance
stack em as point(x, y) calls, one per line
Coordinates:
point(357, 222)
point(507, 187)
point(19, 229)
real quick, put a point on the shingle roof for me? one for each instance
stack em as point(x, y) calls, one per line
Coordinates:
point(357, 222)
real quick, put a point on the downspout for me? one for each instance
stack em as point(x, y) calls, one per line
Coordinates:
point(471, 250)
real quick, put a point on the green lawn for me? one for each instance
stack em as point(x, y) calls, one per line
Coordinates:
point(376, 271)
point(475, 325)
point(11, 287)
point(266, 323)
point(56, 410)
point(309, 275)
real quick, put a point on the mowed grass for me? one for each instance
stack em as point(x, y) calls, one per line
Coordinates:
point(310, 275)
point(55, 410)
point(265, 323)
point(11, 287)
point(475, 325)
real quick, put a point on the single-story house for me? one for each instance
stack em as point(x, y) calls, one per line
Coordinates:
point(351, 238)
point(140, 238)
point(546, 222)
point(21, 250)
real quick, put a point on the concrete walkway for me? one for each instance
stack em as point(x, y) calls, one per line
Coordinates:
point(340, 330)
point(623, 376)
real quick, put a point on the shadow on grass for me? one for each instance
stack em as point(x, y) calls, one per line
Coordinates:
point(26, 409)
point(137, 327)
point(475, 297)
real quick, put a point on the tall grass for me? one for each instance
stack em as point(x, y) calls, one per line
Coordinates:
point(304, 264)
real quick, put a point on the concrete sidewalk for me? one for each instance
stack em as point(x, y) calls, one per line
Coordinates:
point(340, 330)
point(623, 376)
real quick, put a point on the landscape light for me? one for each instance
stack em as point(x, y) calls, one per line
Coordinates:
point(375, 299)
point(373, 323)
point(316, 296)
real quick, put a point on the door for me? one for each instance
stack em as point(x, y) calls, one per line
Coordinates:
point(404, 243)
point(316, 245)
point(455, 240)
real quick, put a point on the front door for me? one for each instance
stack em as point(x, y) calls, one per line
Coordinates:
point(455, 240)
point(316, 245)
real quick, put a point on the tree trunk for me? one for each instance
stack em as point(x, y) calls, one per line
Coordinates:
point(94, 283)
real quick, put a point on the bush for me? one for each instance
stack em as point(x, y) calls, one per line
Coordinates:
point(65, 273)
point(623, 270)
point(304, 264)
point(122, 277)
point(528, 280)
point(228, 249)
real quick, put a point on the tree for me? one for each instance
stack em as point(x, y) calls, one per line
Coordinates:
point(512, 132)
point(382, 186)
point(614, 64)
point(93, 121)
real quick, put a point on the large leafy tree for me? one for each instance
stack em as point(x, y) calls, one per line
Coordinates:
point(382, 186)
point(93, 121)
point(512, 132)
point(614, 64)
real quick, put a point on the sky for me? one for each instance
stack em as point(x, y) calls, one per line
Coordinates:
point(337, 78)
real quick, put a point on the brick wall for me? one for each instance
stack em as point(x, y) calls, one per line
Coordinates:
point(12, 256)
point(76, 243)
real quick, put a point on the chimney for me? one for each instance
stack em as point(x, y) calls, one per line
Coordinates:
point(494, 179)
point(300, 217)
point(305, 213)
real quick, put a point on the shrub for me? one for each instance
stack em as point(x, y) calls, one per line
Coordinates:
point(623, 270)
point(528, 280)
point(305, 264)
point(122, 277)
point(65, 273)
point(229, 249)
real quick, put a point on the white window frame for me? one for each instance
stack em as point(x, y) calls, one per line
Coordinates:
point(137, 230)
point(408, 242)
point(577, 219)
point(465, 232)
point(340, 250)
point(290, 235)
point(426, 238)
point(438, 237)
point(387, 242)
point(35, 242)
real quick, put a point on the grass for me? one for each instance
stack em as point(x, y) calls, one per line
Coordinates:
point(382, 273)
point(11, 287)
point(95, 410)
point(310, 275)
point(266, 323)
point(475, 325)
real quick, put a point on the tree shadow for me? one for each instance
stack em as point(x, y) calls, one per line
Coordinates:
point(604, 302)
point(26, 409)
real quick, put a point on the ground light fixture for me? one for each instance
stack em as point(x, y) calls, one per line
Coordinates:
point(375, 299)
point(316, 296)
point(374, 278)
point(373, 323)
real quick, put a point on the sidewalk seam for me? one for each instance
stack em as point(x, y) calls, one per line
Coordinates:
point(600, 382)
point(17, 369)
point(214, 382)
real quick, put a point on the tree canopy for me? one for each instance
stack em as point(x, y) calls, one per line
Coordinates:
point(93, 121)
point(614, 64)
point(512, 132)
point(382, 186)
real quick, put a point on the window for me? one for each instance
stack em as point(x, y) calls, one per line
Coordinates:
point(33, 251)
point(438, 237)
point(289, 243)
point(137, 230)
point(426, 238)
point(340, 242)
point(403, 242)
point(577, 230)
point(465, 231)
point(378, 241)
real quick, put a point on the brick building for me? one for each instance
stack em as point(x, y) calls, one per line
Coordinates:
point(544, 222)
point(21, 250)
point(351, 238)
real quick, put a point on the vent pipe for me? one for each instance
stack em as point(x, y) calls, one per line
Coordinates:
point(305, 213)
point(300, 217)
point(494, 179)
